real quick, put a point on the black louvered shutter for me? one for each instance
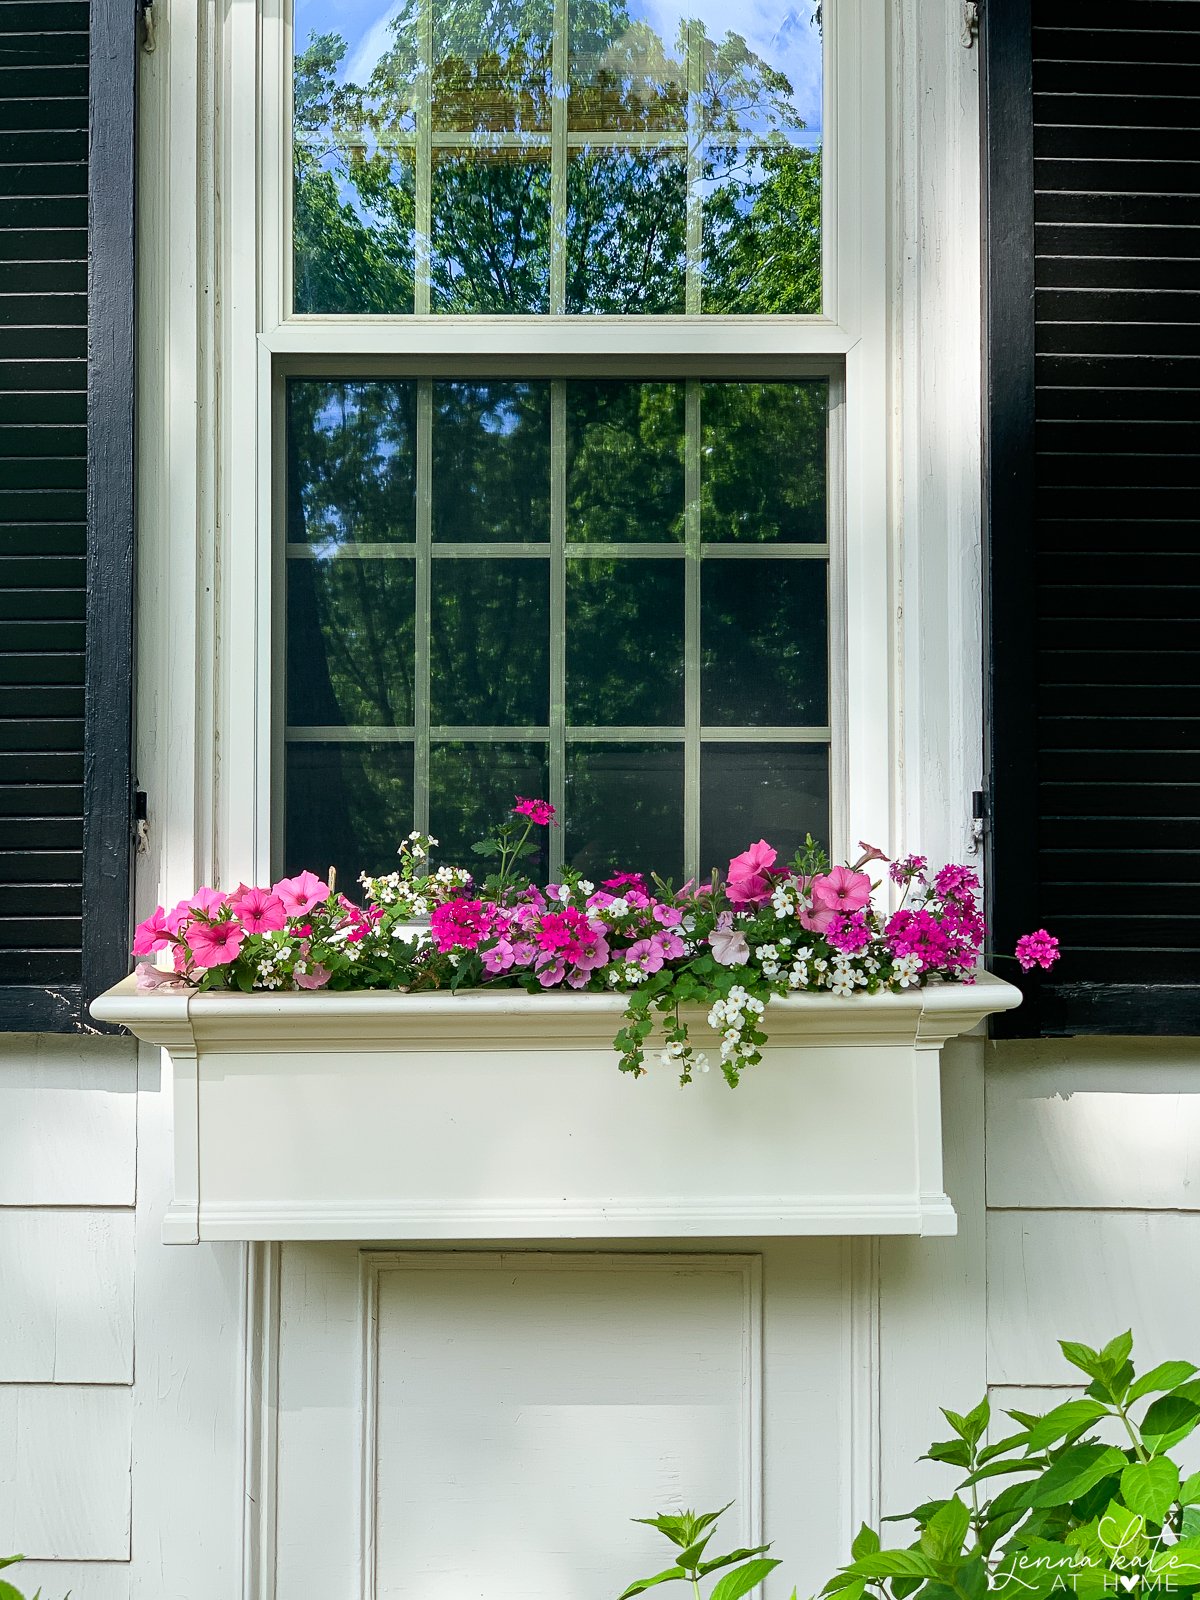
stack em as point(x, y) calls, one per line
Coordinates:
point(66, 374)
point(1092, 175)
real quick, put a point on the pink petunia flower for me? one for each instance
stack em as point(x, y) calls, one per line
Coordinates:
point(728, 944)
point(1038, 949)
point(153, 934)
point(646, 953)
point(205, 900)
point(215, 944)
point(833, 893)
point(149, 977)
point(316, 978)
point(302, 894)
point(539, 811)
point(747, 882)
point(258, 910)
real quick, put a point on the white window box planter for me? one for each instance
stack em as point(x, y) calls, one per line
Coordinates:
point(500, 1115)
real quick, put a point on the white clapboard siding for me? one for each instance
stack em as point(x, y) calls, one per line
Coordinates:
point(1095, 1124)
point(68, 1134)
point(82, 1580)
point(64, 1471)
point(66, 1296)
point(1088, 1275)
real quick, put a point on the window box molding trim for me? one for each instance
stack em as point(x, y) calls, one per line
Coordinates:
point(500, 1115)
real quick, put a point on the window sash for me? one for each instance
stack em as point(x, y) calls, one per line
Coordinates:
point(694, 551)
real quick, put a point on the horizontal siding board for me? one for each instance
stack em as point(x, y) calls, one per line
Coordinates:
point(66, 1296)
point(81, 1580)
point(65, 1471)
point(68, 1122)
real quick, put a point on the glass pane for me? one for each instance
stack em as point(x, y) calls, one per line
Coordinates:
point(776, 792)
point(761, 225)
point(763, 455)
point(352, 463)
point(492, 65)
point(490, 643)
point(347, 805)
point(382, 88)
point(490, 246)
point(354, 163)
point(626, 231)
point(491, 462)
point(472, 786)
point(627, 71)
point(624, 462)
point(625, 643)
point(625, 809)
point(763, 644)
point(350, 642)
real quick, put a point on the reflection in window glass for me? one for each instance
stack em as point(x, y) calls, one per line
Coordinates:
point(471, 786)
point(574, 589)
point(439, 166)
point(490, 643)
point(625, 809)
point(491, 463)
point(347, 805)
point(625, 628)
point(761, 791)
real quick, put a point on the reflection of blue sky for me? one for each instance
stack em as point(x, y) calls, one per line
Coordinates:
point(780, 31)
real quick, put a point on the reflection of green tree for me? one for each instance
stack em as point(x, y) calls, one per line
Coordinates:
point(355, 197)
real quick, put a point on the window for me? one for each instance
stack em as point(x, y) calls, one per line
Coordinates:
point(610, 592)
point(510, 508)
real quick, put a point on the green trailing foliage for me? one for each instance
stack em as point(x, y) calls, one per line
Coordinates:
point(7, 1592)
point(1084, 1501)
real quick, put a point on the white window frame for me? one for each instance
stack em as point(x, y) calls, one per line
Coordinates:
point(899, 321)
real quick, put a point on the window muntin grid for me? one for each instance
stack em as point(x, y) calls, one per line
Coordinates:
point(718, 757)
point(557, 156)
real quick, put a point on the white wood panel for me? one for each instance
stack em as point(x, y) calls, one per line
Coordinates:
point(933, 1297)
point(187, 1399)
point(82, 1580)
point(64, 1471)
point(528, 1406)
point(66, 1296)
point(1094, 1123)
point(67, 1121)
point(1089, 1275)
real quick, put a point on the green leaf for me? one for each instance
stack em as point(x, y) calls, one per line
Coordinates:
point(1150, 1487)
point(903, 1587)
point(1068, 1418)
point(690, 1558)
point(642, 1584)
point(742, 1579)
point(1189, 1491)
point(942, 1537)
point(1075, 1472)
point(894, 1564)
point(1012, 1442)
point(734, 1555)
point(1171, 1418)
point(1167, 1375)
point(977, 1420)
point(1081, 1356)
point(486, 847)
point(1117, 1351)
point(866, 1542)
point(1120, 1532)
point(997, 1469)
point(1179, 1562)
point(7, 1592)
point(955, 1452)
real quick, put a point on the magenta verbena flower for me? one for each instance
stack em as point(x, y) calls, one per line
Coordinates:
point(849, 932)
point(906, 870)
point(1039, 949)
point(539, 811)
point(462, 924)
point(956, 882)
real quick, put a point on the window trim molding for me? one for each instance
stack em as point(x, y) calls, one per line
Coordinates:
point(108, 648)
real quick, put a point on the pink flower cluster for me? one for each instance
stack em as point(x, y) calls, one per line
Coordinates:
point(540, 812)
point(1038, 949)
point(209, 928)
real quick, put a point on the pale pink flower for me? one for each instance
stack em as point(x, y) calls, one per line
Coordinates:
point(258, 910)
point(149, 977)
point(746, 882)
point(499, 958)
point(316, 978)
point(728, 945)
point(302, 894)
point(215, 944)
point(153, 934)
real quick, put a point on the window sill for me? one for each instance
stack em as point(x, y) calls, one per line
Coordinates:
point(500, 1115)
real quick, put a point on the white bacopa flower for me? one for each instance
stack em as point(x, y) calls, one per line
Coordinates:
point(586, 886)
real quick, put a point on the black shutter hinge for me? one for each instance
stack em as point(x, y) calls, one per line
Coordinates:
point(141, 821)
point(981, 817)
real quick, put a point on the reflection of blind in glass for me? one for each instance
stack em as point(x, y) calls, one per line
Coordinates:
point(543, 156)
point(612, 593)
